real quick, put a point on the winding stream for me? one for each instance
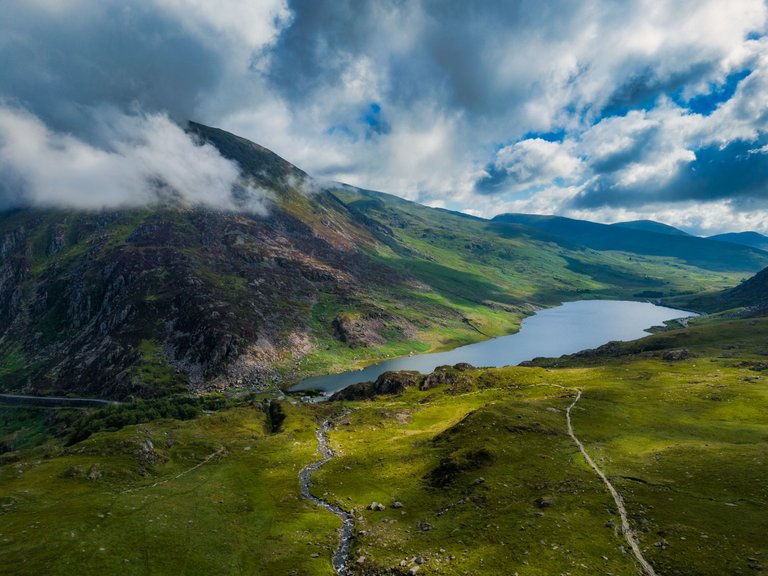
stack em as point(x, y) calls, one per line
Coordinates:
point(339, 559)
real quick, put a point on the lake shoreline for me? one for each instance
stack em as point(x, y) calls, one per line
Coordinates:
point(551, 332)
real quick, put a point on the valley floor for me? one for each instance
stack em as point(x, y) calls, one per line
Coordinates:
point(489, 480)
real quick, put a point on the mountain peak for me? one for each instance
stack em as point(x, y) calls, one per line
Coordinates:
point(255, 160)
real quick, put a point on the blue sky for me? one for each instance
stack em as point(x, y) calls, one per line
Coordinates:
point(600, 110)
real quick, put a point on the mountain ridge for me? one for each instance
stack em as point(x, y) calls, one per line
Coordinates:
point(651, 226)
point(171, 299)
point(691, 249)
point(752, 239)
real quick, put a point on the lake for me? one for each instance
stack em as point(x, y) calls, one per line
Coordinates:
point(565, 329)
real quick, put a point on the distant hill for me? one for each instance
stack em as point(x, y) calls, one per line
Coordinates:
point(651, 226)
point(753, 239)
point(702, 252)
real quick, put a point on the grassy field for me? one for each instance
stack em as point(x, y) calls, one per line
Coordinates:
point(488, 479)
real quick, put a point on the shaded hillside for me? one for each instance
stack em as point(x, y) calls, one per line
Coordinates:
point(752, 292)
point(753, 239)
point(749, 298)
point(174, 298)
point(651, 226)
point(692, 250)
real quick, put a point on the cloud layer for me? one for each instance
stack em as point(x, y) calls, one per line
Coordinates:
point(602, 110)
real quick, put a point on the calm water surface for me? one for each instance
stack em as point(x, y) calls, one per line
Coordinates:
point(566, 329)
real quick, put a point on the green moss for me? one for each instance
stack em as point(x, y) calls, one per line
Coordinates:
point(154, 375)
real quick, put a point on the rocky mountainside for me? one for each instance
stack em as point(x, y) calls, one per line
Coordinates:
point(172, 298)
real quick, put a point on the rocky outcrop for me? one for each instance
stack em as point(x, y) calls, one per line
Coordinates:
point(676, 355)
point(387, 384)
point(455, 377)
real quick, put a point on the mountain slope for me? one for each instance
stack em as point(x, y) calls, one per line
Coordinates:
point(173, 298)
point(651, 226)
point(692, 250)
point(752, 239)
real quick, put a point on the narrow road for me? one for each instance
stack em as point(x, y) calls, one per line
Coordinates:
point(58, 401)
point(339, 559)
point(626, 529)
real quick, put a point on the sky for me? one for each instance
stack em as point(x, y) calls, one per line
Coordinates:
point(607, 111)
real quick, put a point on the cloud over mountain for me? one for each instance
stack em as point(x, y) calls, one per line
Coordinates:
point(628, 107)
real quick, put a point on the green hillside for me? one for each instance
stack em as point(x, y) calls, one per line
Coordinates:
point(170, 299)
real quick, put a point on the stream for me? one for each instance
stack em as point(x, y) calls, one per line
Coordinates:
point(339, 559)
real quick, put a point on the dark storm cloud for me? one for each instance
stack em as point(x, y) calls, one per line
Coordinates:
point(62, 65)
point(446, 49)
point(93, 96)
point(738, 171)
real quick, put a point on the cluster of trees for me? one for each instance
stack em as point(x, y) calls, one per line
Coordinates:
point(139, 411)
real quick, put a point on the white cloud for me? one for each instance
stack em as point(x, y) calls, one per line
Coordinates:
point(536, 161)
point(149, 159)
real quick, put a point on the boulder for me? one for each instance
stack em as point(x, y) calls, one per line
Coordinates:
point(677, 355)
point(545, 502)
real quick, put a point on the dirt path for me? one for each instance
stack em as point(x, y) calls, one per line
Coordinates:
point(205, 460)
point(339, 559)
point(626, 529)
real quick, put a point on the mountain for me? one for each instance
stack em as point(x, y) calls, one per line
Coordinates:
point(753, 239)
point(751, 294)
point(703, 252)
point(172, 298)
point(651, 226)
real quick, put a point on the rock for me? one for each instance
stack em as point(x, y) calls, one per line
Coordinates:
point(386, 384)
point(424, 526)
point(315, 555)
point(545, 502)
point(94, 472)
point(447, 375)
point(479, 480)
point(360, 560)
point(414, 570)
point(418, 560)
point(677, 355)
point(376, 506)
point(397, 504)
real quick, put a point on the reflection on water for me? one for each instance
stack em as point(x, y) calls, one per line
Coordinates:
point(553, 332)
